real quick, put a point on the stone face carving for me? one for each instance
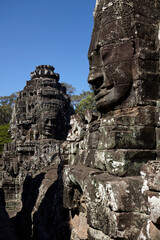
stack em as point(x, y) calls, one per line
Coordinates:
point(40, 122)
point(124, 41)
point(107, 151)
point(42, 108)
point(110, 188)
point(40, 119)
point(111, 53)
point(123, 54)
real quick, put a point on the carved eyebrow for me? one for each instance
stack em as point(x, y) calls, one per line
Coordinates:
point(108, 46)
point(105, 51)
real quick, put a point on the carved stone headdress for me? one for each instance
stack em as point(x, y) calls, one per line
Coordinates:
point(119, 11)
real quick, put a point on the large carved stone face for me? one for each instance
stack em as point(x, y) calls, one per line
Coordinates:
point(110, 54)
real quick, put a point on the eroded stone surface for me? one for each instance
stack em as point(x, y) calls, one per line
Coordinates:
point(149, 231)
point(101, 194)
point(106, 152)
point(7, 230)
point(115, 205)
point(39, 121)
point(151, 179)
point(123, 53)
point(119, 144)
point(97, 235)
point(33, 189)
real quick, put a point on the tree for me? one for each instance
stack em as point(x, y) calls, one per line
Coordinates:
point(86, 103)
point(8, 100)
point(5, 114)
point(75, 99)
point(70, 88)
point(6, 104)
point(4, 136)
point(83, 101)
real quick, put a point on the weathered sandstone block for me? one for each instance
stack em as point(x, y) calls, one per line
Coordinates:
point(115, 205)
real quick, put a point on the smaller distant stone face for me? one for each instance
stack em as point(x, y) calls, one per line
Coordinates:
point(39, 124)
point(42, 107)
point(40, 119)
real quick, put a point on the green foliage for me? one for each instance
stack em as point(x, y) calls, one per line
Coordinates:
point(75, 99)
point(4, 136)
point(5, 114)
point(87, 102)
point(6, 103)
point(8, 100)
point(81, 102)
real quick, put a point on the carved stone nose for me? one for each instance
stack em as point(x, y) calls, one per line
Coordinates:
point(49, 123)
point(95, 78)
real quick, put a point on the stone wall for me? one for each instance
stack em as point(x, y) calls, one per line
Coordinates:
point(93, 176)
point(31, 162)
point(112, 177)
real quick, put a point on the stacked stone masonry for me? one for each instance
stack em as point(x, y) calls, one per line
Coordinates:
point(32, 187)
point(114, 155)
point(94, 176)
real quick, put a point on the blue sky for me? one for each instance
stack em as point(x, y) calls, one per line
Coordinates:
point(35, 32)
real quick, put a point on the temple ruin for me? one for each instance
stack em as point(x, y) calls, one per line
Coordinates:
point(93, 176)
point(113, 173)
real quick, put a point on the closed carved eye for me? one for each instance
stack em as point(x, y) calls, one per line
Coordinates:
point(105, 55)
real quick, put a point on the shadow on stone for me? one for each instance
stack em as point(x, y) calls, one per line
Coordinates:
point(22, 221)
point(43, 218)
point(7, 231)
point(51, 221)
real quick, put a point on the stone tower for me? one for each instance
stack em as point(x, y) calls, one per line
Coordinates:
point(40, 122)
point(110, 188)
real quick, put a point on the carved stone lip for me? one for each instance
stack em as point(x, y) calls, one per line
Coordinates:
point(48, 132)
point(102, 103)
point(102, 93)
point(48, 128)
